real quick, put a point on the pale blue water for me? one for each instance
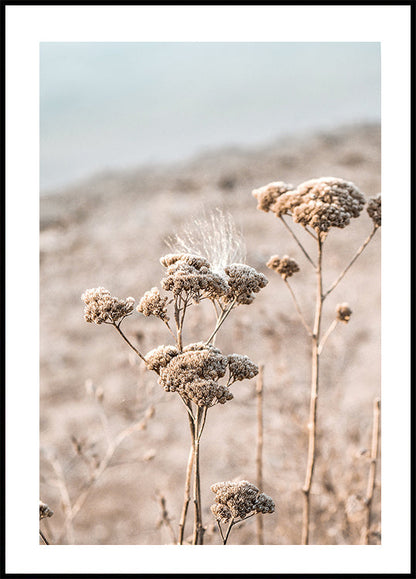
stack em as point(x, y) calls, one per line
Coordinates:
point(121, 105)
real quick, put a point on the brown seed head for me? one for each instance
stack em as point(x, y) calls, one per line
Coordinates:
point(284, 266)
point(241, 367)
point(237, 500)
point(192, 275)
point(101, 306)
point(374, 209)
point(152, 304)
point(243, 282)
point(343, 313)
point(267, 195)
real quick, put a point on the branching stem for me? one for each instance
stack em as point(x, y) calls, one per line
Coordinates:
point(357, 254)
point(298, 242)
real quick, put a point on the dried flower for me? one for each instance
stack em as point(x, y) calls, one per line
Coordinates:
point(267, 195)
point(285, 266)
point(241, 367)
point(192, 275)
point(374, 209)
point(320, 203)
point(160, 357)
point(44, 511)
point(194, 375)
point(102, 307)
point(237, 500)
point(343, 313)
point(243, 282)
point(152, 304)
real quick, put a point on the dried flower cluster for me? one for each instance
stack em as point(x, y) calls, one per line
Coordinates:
point(237, 500)
point(374, 209)
point(44, 511)
point(192, 275)
point(267, 195)
point(194, 373)
point(344, 313)
point(243, 282)
point(241, 367)
point(319, 203)
point(101, 307)
point(152, 304)
point(284, 266)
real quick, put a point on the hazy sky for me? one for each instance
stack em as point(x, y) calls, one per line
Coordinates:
point(115, 105)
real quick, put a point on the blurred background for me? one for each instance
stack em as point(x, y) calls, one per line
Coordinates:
point(136, 141)
point(119, 105)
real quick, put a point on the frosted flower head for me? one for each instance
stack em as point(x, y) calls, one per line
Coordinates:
point(192, 275)
point(318, 203)
point(374, 209)
point(243, 281)
point(284, 266)
point(160, 357)
point(266, 196)
point(194, 374)
point(344, 313)
point(237, 500)
point(327, 202)
point(241, 367)
point(152, 304)
point(101, 307)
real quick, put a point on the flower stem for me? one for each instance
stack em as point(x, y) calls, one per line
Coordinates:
point(117, 327)
point(299, 311)
point(313, 401)
point(357, 254)
point(373, 467)
point(298, 242)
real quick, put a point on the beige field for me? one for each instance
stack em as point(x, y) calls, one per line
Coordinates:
point(111, 232)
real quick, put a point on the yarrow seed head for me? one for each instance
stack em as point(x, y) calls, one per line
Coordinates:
point(267, 195)
point(374, 209)
point(44, 511)
point(320, 203)
point(284, 266)
point(192, 275)
point(160, 357)
point(243, 282)
point(241, 367)
point(343, 313)
point(101, 307)
point(237, 500)
point(152, 304)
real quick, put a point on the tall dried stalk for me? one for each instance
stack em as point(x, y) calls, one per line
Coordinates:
point(194, 370)
point(310, 464)
point(318, 204)
point(259, 451)
point(372, 472)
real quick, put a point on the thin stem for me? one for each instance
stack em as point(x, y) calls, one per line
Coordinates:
point(373, 468)
point(230, 526)
point(259, 453)
point(43, 537)
point(178, 324)
point(358, 253)
point(117, 327)
point(198, 535)
point(220, 529)
point(221, 320)
point(298, 242)
point(187, 492)
point(299, 311)
point(326, 336)
point(313, 401)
